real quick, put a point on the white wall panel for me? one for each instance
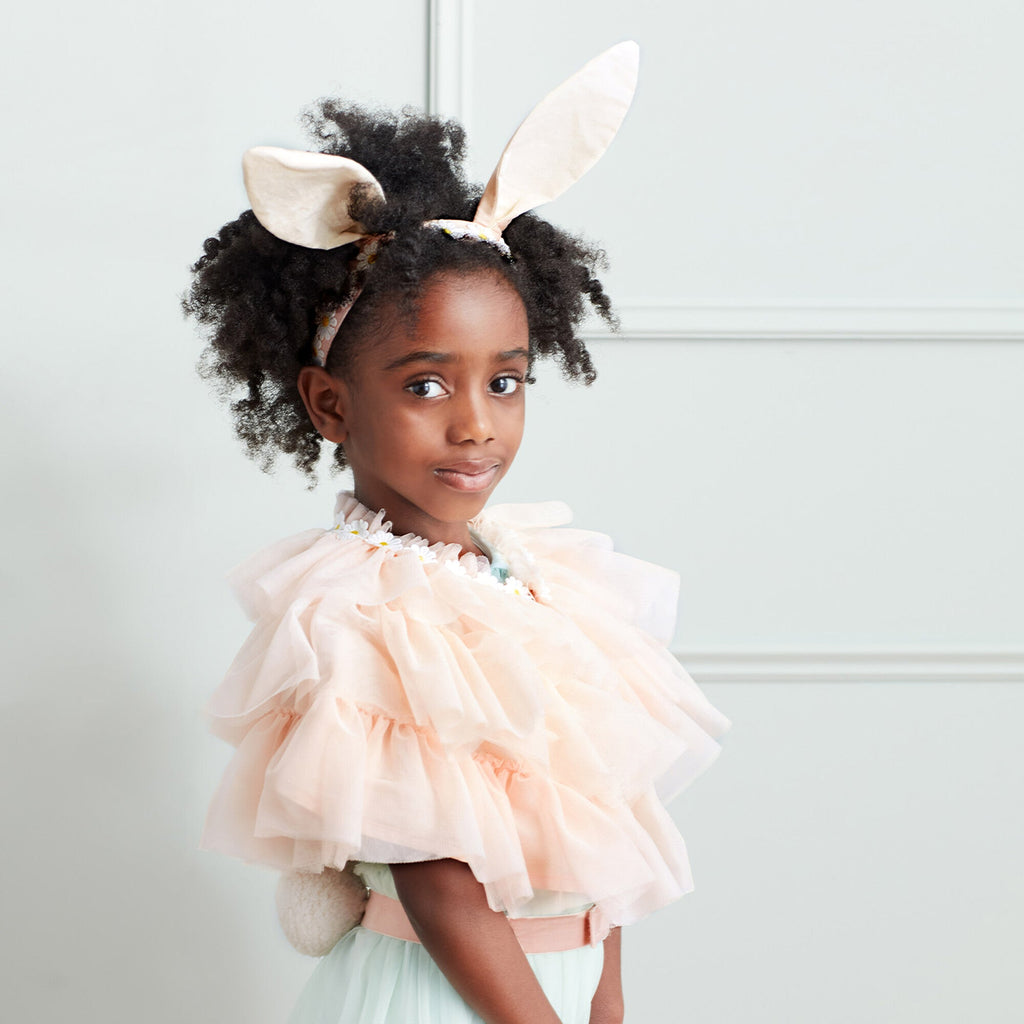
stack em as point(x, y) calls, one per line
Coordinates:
point(854, 859)
point(815, 496)
point(789, 154)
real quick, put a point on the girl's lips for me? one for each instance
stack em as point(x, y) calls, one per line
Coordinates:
point(468, 476)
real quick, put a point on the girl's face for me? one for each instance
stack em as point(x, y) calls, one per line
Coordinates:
point(431, 414)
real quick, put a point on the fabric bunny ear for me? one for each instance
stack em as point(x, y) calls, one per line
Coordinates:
point(561, 138)
point(303, 198)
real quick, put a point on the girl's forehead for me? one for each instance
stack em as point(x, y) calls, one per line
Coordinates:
point(457, 318)
point(482, 290)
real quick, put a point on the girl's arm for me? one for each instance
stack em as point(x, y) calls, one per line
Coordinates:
point(607, 1005)
point(473, 945)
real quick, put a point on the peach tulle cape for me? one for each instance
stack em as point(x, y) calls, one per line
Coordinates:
point(395, 703)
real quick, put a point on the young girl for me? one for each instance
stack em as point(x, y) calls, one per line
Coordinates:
point(475, 707)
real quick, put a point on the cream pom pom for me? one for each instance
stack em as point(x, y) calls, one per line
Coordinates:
point(316, 910)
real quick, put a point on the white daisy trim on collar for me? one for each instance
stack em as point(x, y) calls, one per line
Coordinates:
point(375, 532)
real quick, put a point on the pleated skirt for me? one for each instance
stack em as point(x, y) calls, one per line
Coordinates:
point(369, 978)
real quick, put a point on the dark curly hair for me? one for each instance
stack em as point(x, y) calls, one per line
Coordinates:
point(259, 298)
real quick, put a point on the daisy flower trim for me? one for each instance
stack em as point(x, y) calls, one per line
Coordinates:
point(355, 523)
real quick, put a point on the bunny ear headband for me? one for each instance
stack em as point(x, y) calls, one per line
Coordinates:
point(303, 198)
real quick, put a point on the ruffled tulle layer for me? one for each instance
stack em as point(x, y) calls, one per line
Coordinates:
point(393, 703)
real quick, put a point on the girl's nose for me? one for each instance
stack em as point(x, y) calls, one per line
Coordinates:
point(470, 419)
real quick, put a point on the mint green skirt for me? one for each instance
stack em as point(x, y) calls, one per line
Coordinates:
point(369, 978)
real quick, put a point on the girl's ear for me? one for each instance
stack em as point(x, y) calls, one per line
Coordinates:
point(326, 400)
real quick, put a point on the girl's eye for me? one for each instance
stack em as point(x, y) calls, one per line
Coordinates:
point(505, 385)
point(425, 388)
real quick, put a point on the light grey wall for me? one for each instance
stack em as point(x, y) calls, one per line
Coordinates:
point(812, 413)
point(854, 854)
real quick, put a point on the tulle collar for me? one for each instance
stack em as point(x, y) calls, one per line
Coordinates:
point(354, 521)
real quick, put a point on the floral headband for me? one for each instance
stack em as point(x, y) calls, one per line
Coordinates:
point(303, 198)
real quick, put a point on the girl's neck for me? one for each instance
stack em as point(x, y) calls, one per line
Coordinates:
point(407, 518)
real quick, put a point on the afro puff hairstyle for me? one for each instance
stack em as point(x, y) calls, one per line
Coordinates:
point(259, 299)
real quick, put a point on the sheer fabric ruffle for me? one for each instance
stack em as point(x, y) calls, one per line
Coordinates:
point(395, 703)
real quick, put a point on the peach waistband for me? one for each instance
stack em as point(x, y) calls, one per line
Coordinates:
point(535, 934)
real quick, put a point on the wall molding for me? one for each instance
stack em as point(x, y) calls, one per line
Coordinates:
point(449, 93)
point(895, 666)
point(449, 48)
point(658, 319)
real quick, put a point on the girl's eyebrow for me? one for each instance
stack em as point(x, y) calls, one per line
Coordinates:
point(513, 353)
point(446, 357)
point(420, 357)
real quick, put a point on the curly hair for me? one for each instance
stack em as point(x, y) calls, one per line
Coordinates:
point(259, 298)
